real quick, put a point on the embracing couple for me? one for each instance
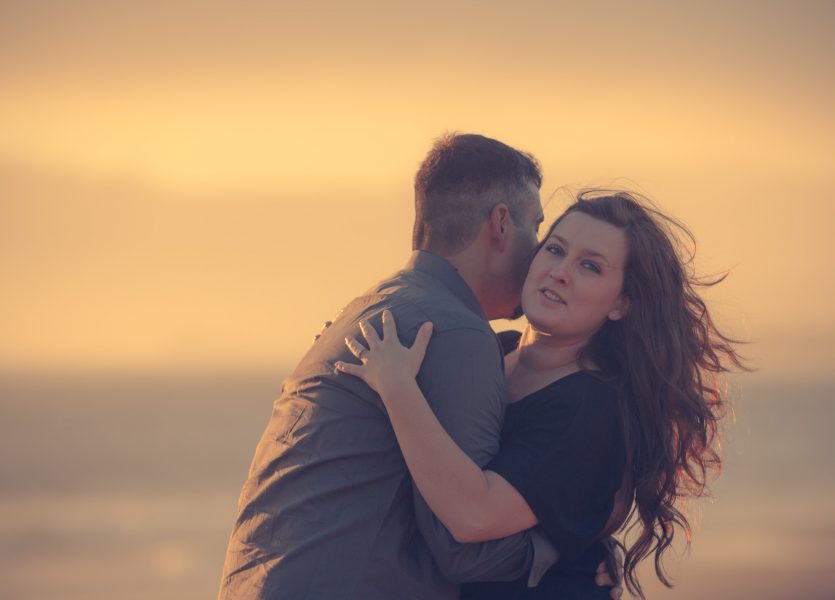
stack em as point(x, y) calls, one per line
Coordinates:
point(414, 454)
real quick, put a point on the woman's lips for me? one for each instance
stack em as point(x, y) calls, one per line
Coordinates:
point(551, 296)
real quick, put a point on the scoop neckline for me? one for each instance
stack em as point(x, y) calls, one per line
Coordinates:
point(551, 384)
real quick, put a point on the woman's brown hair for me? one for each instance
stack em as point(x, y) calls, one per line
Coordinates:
point(663, 356)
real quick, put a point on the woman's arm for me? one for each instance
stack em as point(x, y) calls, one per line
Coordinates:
point(474, 505)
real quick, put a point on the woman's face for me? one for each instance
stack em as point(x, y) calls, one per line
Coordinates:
point(574, 282)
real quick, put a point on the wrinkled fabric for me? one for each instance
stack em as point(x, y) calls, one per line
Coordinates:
point(329, 510)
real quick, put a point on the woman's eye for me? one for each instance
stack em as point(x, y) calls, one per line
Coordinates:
point(590, 266)
point(554, 249)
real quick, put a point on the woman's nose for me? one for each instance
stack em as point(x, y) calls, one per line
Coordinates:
point(559, 272)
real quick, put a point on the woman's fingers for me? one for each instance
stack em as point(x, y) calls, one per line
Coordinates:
point(370, 334)
point(422, 338)
point(389, 349)
point(603, 578)
point(355, 370)
point(355, 347)
point(389, 326)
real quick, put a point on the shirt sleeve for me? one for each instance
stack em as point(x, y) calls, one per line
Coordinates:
point(463, 381)
point(568, 462)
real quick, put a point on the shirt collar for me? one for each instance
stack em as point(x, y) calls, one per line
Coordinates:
point(439, 268)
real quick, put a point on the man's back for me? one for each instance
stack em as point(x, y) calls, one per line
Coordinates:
point(328, 510)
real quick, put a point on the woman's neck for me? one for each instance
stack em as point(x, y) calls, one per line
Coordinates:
point(541, 352)
point(539, 360)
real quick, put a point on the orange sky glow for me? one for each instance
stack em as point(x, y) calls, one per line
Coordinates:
point(186, 185)
point(188, 189)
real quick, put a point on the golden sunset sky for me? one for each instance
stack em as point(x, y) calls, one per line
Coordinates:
point(201, 184)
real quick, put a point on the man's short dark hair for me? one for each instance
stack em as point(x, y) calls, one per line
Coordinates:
point(460, 181)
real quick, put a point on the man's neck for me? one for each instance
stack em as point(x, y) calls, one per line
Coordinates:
point(470, 266)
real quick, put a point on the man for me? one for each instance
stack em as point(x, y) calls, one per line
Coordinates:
point(328, 510)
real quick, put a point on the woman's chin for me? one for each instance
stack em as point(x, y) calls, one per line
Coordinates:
point(543, 318)
point(543, 326)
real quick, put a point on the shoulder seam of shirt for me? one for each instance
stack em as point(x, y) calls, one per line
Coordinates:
point(461, 327)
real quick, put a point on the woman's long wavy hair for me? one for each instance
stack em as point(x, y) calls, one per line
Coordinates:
point(664, 356)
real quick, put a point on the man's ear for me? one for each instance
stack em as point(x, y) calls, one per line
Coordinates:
point(620, 310)
point(500, 223)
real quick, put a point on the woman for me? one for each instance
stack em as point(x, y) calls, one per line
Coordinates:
point(611, 390)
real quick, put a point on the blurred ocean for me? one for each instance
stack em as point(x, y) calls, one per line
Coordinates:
point(125, 487)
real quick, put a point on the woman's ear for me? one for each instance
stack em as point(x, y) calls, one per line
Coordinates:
point(620, 310)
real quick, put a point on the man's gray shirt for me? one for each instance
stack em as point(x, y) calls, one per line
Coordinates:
point(329, 510)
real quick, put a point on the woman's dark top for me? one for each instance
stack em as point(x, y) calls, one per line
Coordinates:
point(563, 450)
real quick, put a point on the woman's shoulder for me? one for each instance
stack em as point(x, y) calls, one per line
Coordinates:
point(583, 400)
point(594, 384)
point(598, 404)
point(596, 393)
point(578, 387)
